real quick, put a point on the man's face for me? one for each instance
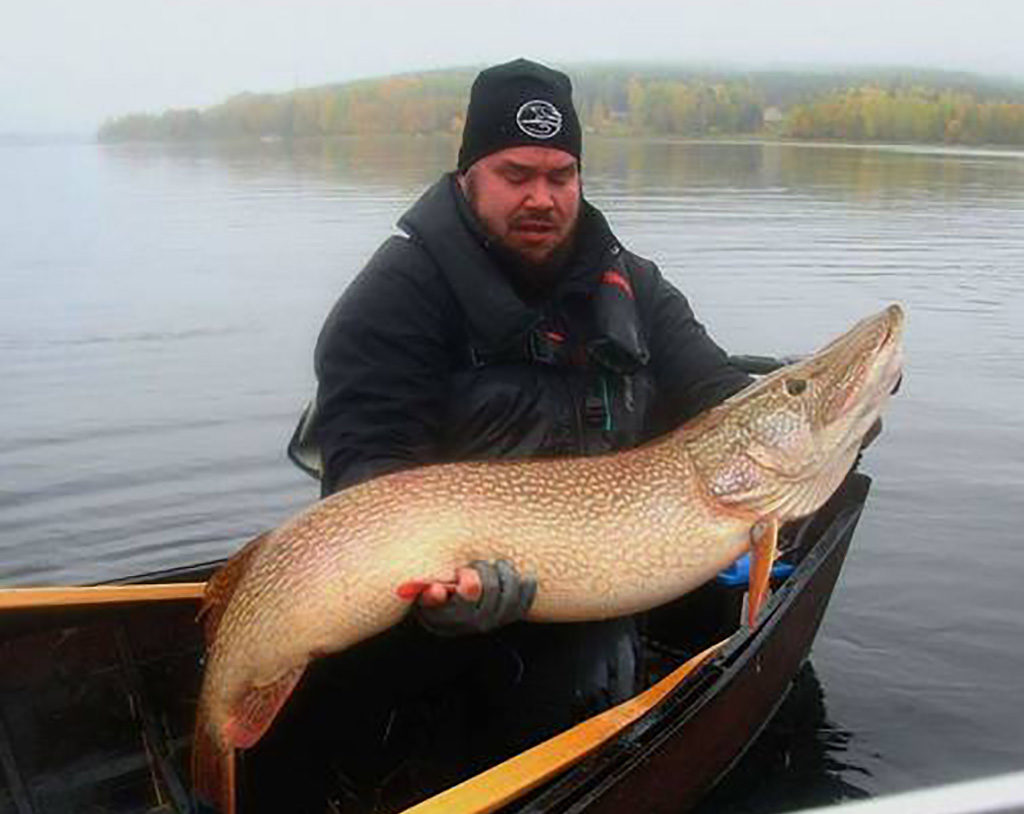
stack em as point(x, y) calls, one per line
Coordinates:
point(528, 198)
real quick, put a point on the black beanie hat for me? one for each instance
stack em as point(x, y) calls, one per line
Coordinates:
point(520, 103)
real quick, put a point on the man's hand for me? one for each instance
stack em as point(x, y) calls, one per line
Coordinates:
point(484, 596)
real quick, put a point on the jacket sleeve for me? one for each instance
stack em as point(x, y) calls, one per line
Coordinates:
point(382, 365)
point(692, 373)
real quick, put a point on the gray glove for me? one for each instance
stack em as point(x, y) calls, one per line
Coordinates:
point(505, 598)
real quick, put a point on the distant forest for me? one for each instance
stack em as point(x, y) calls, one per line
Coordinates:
point(881, 105)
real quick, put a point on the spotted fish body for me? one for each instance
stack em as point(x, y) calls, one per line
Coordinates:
point(604, 536)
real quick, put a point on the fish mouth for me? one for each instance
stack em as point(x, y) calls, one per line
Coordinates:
point(889, 352)
point(884, 379)
point(891, 341)
point(862, 408)
point(896, 317)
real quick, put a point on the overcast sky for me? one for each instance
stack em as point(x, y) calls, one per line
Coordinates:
point(68, 64)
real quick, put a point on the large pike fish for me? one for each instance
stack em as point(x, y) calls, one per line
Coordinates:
point(604, 536)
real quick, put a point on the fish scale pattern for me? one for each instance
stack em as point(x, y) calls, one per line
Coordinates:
point(604, 536)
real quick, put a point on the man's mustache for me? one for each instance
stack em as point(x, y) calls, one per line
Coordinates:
point(532, 220)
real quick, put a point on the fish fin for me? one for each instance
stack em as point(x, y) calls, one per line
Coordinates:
point(221, 586)
point(213, 770)
point(257, 708)
point(764, 540)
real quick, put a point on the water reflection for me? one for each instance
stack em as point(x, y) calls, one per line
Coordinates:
point(363, 163)
point(801, 760)
point(631, 166)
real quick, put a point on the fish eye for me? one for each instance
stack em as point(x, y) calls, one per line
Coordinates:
point(796, 386)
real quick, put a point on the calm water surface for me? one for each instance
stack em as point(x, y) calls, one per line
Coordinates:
point(158, 307)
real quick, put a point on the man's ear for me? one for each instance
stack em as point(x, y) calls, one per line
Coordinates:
point(460, 177)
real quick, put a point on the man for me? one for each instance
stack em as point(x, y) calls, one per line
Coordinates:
point(508, 321)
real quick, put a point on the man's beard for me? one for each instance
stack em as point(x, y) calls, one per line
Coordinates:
point(530, 276)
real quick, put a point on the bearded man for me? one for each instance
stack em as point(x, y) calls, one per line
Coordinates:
point(507, 321)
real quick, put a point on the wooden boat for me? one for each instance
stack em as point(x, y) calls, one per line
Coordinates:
point(97, 703)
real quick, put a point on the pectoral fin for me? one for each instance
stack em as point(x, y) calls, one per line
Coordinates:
point(258, 706)
point(764, 538)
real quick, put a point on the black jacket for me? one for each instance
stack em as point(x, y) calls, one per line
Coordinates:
point(432, 354)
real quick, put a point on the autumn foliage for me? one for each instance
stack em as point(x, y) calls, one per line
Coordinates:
point(950, 108)
point(907, 115)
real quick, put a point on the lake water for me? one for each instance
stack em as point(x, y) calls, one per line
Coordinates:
point(158, 308)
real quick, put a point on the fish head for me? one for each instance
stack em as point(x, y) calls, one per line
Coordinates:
point(784, 444)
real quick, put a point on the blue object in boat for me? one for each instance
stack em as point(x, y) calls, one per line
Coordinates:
point(738, 573)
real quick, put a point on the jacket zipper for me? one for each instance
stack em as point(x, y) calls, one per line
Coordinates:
point(581, 441)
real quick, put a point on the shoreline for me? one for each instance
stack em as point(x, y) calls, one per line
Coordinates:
point(935, 147)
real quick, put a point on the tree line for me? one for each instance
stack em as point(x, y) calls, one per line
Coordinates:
point(908, 115)
point(923, 107)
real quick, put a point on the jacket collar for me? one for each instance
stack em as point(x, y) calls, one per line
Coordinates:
point(496, 315)
point(443, 223)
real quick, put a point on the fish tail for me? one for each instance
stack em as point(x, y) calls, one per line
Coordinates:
point(213, 770)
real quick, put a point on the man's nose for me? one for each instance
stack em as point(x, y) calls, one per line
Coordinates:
point(540, 196)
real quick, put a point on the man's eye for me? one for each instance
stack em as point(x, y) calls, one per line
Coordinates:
point(516, 177)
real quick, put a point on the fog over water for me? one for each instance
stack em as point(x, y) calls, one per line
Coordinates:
point(160, 306)
point(68, 66)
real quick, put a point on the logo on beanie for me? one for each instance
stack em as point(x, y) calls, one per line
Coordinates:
point(539, 119)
